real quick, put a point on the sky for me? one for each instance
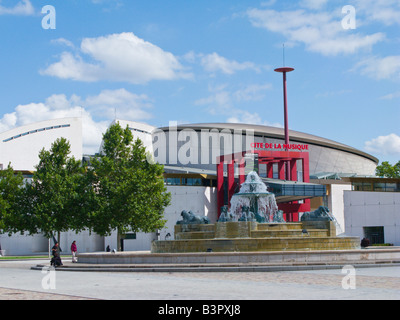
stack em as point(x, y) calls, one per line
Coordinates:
point(196, 61)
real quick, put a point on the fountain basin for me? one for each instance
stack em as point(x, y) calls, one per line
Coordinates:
point(255, 244)
point(255, 237)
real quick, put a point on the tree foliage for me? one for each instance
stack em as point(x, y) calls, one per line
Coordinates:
point(10, 189)
point(386, 170)
point(120, 190)
point(53, 201)
point(130, 192)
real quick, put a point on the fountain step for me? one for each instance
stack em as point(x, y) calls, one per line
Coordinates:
point(280, 226)
point(256, 244)
point(288, 233)
point(195, 235)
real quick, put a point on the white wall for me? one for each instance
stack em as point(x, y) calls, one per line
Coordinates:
point(373, 209)
point(200, 200)
point(23, 151)
point(336, 204)
point(18, 244)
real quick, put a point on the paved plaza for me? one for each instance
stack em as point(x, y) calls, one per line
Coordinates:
point(18, 281)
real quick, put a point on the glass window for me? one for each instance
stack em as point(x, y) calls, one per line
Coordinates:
point(172, 181)
point(376, 235)
point(391, 187)
point(367, 186)
point(379, 186)
point(357, 186)
point(192, 181)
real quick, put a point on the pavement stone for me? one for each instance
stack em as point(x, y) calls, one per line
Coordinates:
point(19, 282)
point(14, 294)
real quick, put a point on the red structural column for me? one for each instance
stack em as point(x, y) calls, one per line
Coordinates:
point(270, 170)
point(281, 170)
point(242, 174)
point(306, 178)
point(293, 170)
point(306, 167)
point(220, 186)
point(231, 179)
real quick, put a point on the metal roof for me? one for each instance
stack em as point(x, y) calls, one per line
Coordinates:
point(278, 133)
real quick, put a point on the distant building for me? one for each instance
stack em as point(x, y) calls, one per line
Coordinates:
point(189, 154)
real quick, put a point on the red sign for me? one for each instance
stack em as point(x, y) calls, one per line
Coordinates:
point(276, 146)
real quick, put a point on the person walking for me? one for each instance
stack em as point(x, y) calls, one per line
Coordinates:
point(74, 249)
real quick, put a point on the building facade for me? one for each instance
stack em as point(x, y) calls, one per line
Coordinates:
point(189, 154)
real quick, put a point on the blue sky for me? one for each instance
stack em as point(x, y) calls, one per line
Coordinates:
point(206, 61)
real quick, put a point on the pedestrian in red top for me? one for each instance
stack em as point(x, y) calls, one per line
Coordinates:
point(74, 249)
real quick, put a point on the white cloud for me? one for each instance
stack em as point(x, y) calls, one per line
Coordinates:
point(382, 11)
point(118, 57)
point(96, 112)
point(214, 62)
point(385, 145)
point(64, 42)
point(380, 68)
point(391, 96)
point(242, 116)
point(22, 8)
point(319, 31)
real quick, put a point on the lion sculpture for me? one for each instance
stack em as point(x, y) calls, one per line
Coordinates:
point(191, 218)
point(321, 214)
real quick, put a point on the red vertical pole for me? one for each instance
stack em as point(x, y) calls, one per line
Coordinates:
point(306, 178)
point(284, 70)
point(231, 180)
point(220, 185)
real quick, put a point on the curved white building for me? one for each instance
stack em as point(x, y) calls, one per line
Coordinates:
point(199, 145)
point(21, 146)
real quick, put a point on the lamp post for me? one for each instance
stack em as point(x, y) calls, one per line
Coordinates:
point(285, 70)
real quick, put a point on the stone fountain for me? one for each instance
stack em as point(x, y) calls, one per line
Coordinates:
point(253, 223)
point(253, 202)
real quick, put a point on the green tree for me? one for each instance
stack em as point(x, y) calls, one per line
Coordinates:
point(54, 201)
point(130, 191)
point(10, 189)
point(386, 170)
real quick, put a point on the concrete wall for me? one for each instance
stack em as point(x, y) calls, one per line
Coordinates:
point(373, 209)
point(336, 204)
point(17, 244)
point(200, 200)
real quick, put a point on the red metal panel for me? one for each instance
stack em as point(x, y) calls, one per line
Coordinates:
point(293, 170)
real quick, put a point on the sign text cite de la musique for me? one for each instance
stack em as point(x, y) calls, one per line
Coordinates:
point(279, 146)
